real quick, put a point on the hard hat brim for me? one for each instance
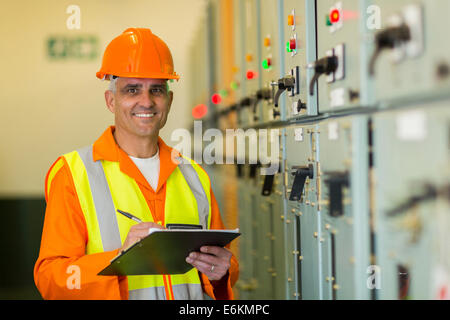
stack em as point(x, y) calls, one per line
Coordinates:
point(101, 75)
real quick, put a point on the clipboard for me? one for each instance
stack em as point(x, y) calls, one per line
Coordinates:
point(164, 251)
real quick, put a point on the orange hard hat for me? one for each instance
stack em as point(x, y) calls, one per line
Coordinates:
point(137, 53)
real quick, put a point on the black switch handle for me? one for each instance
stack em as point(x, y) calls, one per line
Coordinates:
point(336, 182)
point(326, 65)
point(246, 102)
point(300, 173)
point(268, 185)
point(253, 169)
point(226, 111)
point(239, 170)
point(388, 39)
point(286, 83)
point(261, 94)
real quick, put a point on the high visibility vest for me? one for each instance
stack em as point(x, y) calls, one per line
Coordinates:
point(102, 188)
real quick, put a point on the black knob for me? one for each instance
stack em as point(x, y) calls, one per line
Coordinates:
point(300, 105)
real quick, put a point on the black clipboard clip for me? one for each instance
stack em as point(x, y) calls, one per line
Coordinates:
point(181, 226)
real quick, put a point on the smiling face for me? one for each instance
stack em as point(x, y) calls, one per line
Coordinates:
point(140, 106)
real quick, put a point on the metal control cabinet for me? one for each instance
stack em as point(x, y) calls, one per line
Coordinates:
point(270, 61)
point(412, 166)
point(340, 40)
point(200, 84)
point(303, 255)
point(336, 208)
point(271, 240)
point(299, 48)
point(359, 208)
point(345, 228)
point(251, 55)
point(238, 84)
point(278, 238)
point(247, 283)
point(261, 212)
point(257, 247)
point(418, 66)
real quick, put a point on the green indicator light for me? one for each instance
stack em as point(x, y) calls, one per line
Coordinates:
point(234, 85)
point(265, 64)
point(328, 21)
point(224, 93)
point(288, 48)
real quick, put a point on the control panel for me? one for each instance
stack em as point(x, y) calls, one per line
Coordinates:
point(337, 70)
point(410, 58)
point(298, 29)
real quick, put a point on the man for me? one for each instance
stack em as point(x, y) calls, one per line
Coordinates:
point(131, 169)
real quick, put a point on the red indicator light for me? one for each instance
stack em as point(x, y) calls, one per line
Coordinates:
point(292, 44)
point(251, 75)
point(199, 111)
point(266, 64)
point(216, 98)
point(335, 15)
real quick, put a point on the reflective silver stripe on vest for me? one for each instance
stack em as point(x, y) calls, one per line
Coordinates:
point(104, 205)
point(152, 293)
point(188, 291)
point(109, 228)
point(191, 177)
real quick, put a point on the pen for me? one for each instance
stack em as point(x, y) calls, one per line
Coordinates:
point(129, 215)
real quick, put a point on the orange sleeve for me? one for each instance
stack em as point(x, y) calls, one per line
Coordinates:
point(63, 270)
point(220, 290)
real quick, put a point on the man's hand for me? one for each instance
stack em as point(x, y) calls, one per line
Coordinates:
point(137, 232)
point(212, 261)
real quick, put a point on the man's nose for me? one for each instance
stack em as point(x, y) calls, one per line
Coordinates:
point(147, 99)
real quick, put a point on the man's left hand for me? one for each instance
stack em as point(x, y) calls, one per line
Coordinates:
point(212, 261)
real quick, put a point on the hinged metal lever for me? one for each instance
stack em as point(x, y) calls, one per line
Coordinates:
point(300, 173)
point(326, 65)
point(388, 39)
point(253, 168)
point(261, 94)
point(246, 102)
point(239, 170)
point(268, 185)
point(336, 182)
point(429, 193)
point(226, 111)
point(269, 178)
point(286, 83)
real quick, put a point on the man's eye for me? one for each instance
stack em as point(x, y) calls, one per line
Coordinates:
point(156, 91)
point(132, 90)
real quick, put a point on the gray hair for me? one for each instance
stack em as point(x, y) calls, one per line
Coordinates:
point(112, 83)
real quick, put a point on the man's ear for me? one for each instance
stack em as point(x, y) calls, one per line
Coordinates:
point(109, 99)
point(170, 98)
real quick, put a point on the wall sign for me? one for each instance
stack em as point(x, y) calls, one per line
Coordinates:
point(80, 47)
